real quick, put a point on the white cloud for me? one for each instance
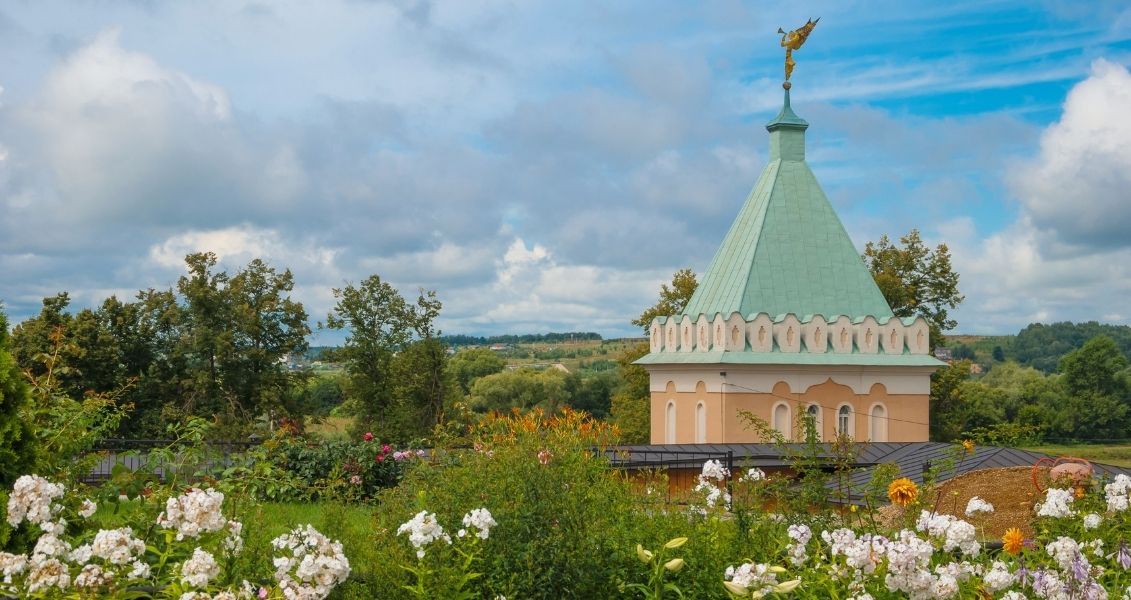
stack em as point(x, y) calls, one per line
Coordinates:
point(1068, 255)
point(1075, 192)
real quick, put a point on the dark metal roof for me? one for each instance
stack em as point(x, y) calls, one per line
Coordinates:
point(910, 457)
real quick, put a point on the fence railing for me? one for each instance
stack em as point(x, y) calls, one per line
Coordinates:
point(137, 454)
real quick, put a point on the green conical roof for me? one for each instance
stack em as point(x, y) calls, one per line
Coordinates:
point(787, 252)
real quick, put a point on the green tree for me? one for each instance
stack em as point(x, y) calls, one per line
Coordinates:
point(631, 403)
point(424, 388)
point(999, 354)
point(1096, 368)
point(472, 363)
point(235, 330)
point(380, 324)
point(948, 412)
point(18, 445)
point(672, 299)
point(916, 280)
point(592, 393)
point(1098, 394)
point(524, 389)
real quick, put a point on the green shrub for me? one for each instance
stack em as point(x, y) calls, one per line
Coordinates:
point(565, 519)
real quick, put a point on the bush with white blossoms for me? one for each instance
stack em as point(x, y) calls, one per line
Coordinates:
point(711, 486)
point(183, 553)
point(424, 529)
point(312, 564)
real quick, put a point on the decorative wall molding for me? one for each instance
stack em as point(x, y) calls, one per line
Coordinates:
point(789, 333)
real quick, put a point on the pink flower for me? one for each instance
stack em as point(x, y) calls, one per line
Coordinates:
point(380, 458)
point(544, 457)
point(356, 480)
point(262, 593)
point(368, 436)
point(386, 449)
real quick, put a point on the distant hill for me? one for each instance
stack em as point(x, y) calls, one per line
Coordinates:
point(1038, 345)
point(1042, 346)
point(529, 338)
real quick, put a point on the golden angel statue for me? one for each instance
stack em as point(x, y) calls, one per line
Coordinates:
point(792, 41)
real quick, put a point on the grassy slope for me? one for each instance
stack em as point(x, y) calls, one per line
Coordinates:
point(1118, 455)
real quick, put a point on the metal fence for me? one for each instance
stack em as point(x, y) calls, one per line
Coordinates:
point(138, 454)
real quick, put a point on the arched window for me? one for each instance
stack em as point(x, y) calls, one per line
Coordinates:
point(814, 411)
point(669, 434)
point(781, 419)
point(700, 424)
point(879, 423)
point(844, 420)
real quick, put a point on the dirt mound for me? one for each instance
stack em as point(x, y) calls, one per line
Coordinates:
point(1009, 489)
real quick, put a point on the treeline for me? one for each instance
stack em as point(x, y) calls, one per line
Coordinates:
point(1042, 346)
point(529, 338)
point(1088, 398)
point(223, 346)
point(211, 345)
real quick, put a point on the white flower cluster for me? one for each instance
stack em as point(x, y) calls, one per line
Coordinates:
point(909, 558)
point(1058, 503)
point(997, 578)
point(11, 565)
point(200, 569)
point(759, 579)
point(862, 553)
point(315, 564)
point(954, 532)
point(800, 534)
point(1117, 493)
point(117, 546)
point(977, 505)
point(47, 573)
point(713, 469)
point(93, 576)
point(115, 558)
point(88, 508)
point(754, 474)
point(713, 473)
point(423, 529)
point(193, 513)
point(480, 519)
point(33, 499)
point(1092, 521)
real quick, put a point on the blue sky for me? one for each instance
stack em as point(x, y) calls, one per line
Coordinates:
point(546, 165)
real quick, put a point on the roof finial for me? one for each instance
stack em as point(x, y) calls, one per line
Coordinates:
point(792, 41)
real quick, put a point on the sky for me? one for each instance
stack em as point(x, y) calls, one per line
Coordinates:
point(545, 166)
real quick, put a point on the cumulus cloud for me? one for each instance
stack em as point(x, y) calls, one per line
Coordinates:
point(1075, 192)
point(1068, 255)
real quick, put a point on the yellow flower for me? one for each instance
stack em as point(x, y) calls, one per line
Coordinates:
point(1079, 492)
point(903, 491)
point(675, 543)
point(1012, 540)
point(968, 445)
point(852, 508)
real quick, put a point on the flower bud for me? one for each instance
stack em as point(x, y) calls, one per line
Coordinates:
point(787, 586)
point(645, 556)
point(674, 564)
point(735, 588)
point(776, 569)
point(675, 543)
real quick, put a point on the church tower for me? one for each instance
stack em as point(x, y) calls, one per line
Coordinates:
point(787, 318)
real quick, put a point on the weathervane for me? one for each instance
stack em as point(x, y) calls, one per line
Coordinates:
point(792, 41)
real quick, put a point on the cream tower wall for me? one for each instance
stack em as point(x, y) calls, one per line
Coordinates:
point(707, 403)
